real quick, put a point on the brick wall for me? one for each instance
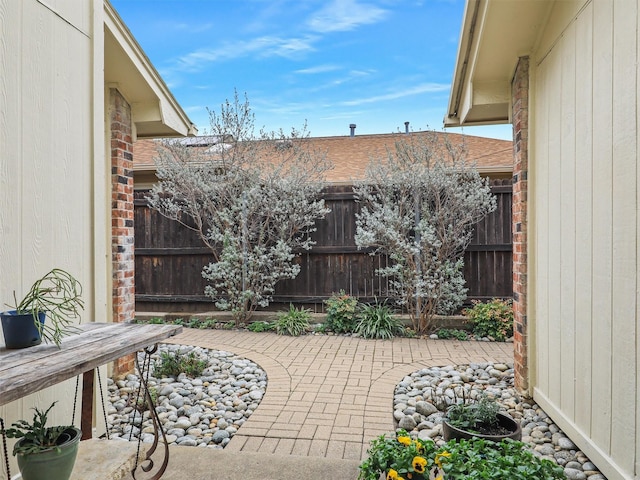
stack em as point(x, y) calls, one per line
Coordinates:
point(122, 234)
point(520, 120)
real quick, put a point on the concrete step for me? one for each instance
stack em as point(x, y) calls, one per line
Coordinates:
point(208, 464)
point(105, 459)
point(114, 459)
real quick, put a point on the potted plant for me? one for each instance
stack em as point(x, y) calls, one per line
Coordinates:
point(482, 419)
point(44, 453)
point(56, 296)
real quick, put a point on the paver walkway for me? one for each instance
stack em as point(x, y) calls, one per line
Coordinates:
point(328, 396)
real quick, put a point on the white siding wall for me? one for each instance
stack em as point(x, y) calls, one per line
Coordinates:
point(584, 228)
point(53, 205)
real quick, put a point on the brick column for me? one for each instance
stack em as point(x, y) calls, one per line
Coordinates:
point(122, 236)
point(520, 120)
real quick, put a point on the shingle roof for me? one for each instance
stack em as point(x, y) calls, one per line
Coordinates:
point(351, 155)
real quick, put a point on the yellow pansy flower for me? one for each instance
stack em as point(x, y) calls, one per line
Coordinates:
point(419, 464)
point(440, 456)
point(419, 446)
point(392, 474)
point(405, 441)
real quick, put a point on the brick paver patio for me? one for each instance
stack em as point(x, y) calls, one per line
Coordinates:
point(328, 396)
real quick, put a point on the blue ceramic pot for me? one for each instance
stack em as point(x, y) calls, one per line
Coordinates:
point(20, 330)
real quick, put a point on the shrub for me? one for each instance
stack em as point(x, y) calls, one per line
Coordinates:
point(446, 333)
point(253, 208)
point(342, 313)
point(418, 205)
point(492, 319)
point(377, 321)
point(294, 322)
point(173, 364)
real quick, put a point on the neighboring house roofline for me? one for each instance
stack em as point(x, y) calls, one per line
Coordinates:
point(351, 155)
point(495, 33)
point(155, 111)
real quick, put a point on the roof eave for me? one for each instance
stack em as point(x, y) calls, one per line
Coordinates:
point(155, 111)
point(495, 33)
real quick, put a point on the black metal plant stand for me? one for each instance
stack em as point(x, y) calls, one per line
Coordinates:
point(147, 465)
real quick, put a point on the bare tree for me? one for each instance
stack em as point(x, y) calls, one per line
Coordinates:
point(418, 206)
point(252, 198)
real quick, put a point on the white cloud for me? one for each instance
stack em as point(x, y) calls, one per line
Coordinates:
point(191, 28)
point(423, 88)
point(318, 69)
point(266, 46)
point(361, 73)
point(345, 15)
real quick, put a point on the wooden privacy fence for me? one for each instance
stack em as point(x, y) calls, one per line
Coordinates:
point(169, 259)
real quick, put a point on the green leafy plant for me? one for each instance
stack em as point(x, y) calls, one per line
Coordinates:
point(446, 333)
point(207, 323)
point(479, 459)
point(141, 402)
point(492, 319)
point(320, 328)
point(377, 321)
point(58, 294)
point(474, 416)
point(397, 457)
point(156, 321)
point(193, 322)
point(37, 436)
point(260, 326)
point(294, 322)
point(409, 333)
point(173, 364)
point(342, 313)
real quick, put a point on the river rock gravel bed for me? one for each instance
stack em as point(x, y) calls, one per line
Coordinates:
point(421, 398)
point(204, 412)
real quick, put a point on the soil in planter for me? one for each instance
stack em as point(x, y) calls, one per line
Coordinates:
point(496, 429)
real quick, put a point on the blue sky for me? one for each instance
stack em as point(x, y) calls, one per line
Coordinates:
point(375, 63)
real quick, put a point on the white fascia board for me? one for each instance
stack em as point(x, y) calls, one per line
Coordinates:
point(169, 117)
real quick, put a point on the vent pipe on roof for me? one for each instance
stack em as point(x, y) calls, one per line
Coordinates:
point(352, 126)
point(406, 127)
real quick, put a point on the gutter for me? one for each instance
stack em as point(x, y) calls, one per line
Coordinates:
point(465, 63)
